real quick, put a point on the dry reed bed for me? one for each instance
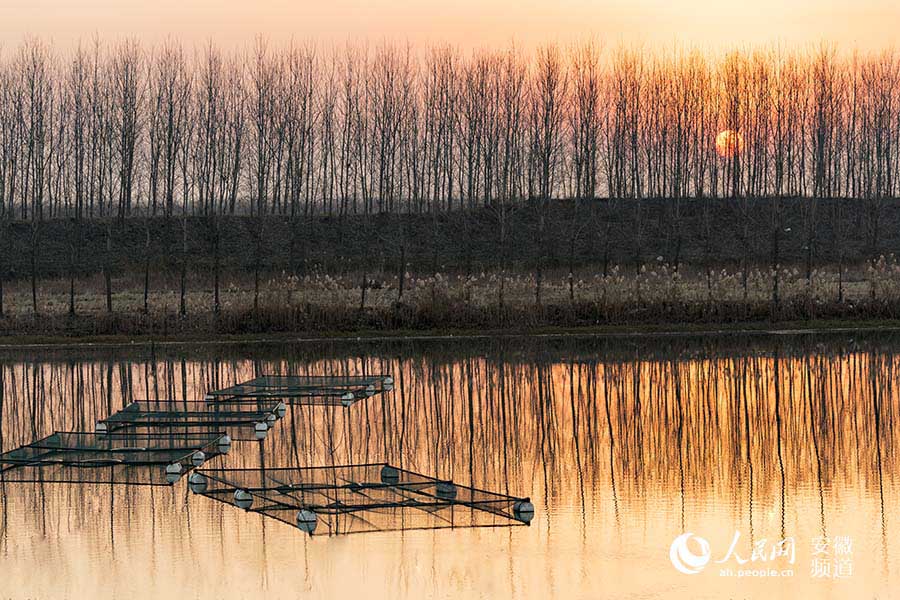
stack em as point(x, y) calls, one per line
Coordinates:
point(655, 294)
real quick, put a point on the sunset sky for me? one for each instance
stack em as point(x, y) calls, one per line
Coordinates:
point(867, 24)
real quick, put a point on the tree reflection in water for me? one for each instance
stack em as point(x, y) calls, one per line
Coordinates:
point(621, 444)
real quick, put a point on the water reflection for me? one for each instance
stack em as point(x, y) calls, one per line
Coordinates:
point(621, 445)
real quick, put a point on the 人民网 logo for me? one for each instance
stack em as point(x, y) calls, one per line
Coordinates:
point(684, 558)
point(690, 554)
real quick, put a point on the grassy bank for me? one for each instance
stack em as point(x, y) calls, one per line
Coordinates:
point(658, 297)
point(575, 265)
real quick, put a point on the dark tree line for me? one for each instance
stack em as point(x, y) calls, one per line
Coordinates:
point(125, 130)
point(116, 131)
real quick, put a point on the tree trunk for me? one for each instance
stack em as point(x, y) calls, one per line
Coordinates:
point(402, 274)
point(572, 270)
point(73, 254)
point(502, 298)
point(182, 309)
point(838, 242)
point(107, 276)
point(217, 307)
point(292, 258)
point(538, 272)
point(35, 240)
point(776, 238)
point(638, 238)
point(256, 260)
point(365, 285)
point(147, 268)
point(3, 239)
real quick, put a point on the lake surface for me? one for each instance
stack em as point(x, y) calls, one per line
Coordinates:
point(775, 452)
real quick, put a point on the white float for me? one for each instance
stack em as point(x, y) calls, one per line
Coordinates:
point(242, 499)
point(225, 444)
point(197, 483)
point(198, 458)
point(173, 472)
point(260, 430)
point(307, 520)
point(523, 510)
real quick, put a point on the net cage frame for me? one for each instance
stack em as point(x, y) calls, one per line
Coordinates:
point(195, 416)
point(306, 390)
point(136, 458)
point(324, 489)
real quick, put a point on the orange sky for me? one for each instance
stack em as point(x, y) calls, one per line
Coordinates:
point(868, 24)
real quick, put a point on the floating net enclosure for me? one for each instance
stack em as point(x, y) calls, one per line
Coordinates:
point(241, 420)
point(307, 389)
point(359, 498)
point(120, 458)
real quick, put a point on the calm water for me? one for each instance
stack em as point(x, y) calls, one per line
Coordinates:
point(622, 446)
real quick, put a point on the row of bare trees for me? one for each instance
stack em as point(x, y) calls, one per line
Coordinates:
point(122, 129)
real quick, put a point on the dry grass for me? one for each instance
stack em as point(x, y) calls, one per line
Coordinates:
point(321, 302)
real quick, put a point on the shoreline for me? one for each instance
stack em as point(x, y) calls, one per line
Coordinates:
point(13, 342)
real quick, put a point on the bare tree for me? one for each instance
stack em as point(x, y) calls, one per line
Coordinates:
point(549, 87)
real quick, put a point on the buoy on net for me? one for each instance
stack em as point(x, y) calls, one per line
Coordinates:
point(173, 472)
point(198, 458)
point(260, 430)
point(197, 483)
point(242, 499)
point(225, 444)
point(446, 490)
point(307, 520)
point(281, 410)
point(390, 475)
point(523, 510)
point(347, 399)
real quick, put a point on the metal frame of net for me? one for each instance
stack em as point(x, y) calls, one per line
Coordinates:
point(156, 442)
point(241, 420)
point(119, 458)
point(359, 498)
point(307, 389)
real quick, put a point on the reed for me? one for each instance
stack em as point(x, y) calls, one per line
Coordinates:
point(656, 294)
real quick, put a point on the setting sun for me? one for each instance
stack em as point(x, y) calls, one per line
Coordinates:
point(729, 143)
